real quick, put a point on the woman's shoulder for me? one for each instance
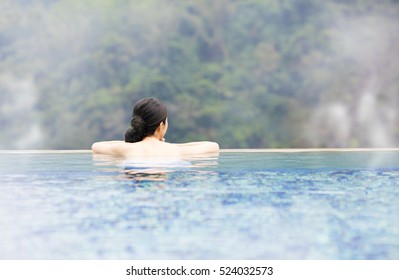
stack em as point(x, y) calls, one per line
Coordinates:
point(116, 148)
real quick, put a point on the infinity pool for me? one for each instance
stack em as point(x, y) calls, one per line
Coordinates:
point(238, 205)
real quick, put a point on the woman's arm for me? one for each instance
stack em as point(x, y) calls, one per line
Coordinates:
point(201, 147)
point(197, 143)
point(109, 147)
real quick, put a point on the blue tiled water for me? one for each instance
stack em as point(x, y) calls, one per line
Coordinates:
point(235, 206)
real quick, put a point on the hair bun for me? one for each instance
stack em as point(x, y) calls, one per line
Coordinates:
point(136, 130)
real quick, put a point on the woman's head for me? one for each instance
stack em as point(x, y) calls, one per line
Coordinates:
point(148, 114)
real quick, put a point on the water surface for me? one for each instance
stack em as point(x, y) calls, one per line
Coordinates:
point(235, 206)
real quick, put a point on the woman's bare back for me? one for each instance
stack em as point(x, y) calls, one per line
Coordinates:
point(151, 147)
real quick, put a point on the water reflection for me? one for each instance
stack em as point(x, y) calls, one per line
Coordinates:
point(151, 169)
point(146, 176)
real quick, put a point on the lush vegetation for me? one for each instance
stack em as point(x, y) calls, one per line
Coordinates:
point(255, 73)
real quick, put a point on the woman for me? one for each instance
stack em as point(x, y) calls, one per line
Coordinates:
point(145, 137)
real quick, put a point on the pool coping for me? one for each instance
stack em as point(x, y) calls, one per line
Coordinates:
point(289, 150)
point(307, 150)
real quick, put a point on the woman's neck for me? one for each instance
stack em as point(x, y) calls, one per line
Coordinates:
point(151, 138)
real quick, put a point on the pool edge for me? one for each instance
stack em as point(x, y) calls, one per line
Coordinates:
point(290, 150)
point(44, 151)
point(295, 150)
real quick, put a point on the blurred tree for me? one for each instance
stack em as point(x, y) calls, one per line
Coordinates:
point(248, 74)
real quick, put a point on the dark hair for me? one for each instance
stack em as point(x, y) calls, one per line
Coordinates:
point(148, 114)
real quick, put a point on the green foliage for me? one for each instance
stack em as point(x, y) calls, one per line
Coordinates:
point(247, 74)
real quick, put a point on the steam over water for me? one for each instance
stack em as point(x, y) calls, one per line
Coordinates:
point(21, 125)
point(365, 45)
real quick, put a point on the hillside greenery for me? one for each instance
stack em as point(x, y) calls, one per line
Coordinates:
point(247, 74)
